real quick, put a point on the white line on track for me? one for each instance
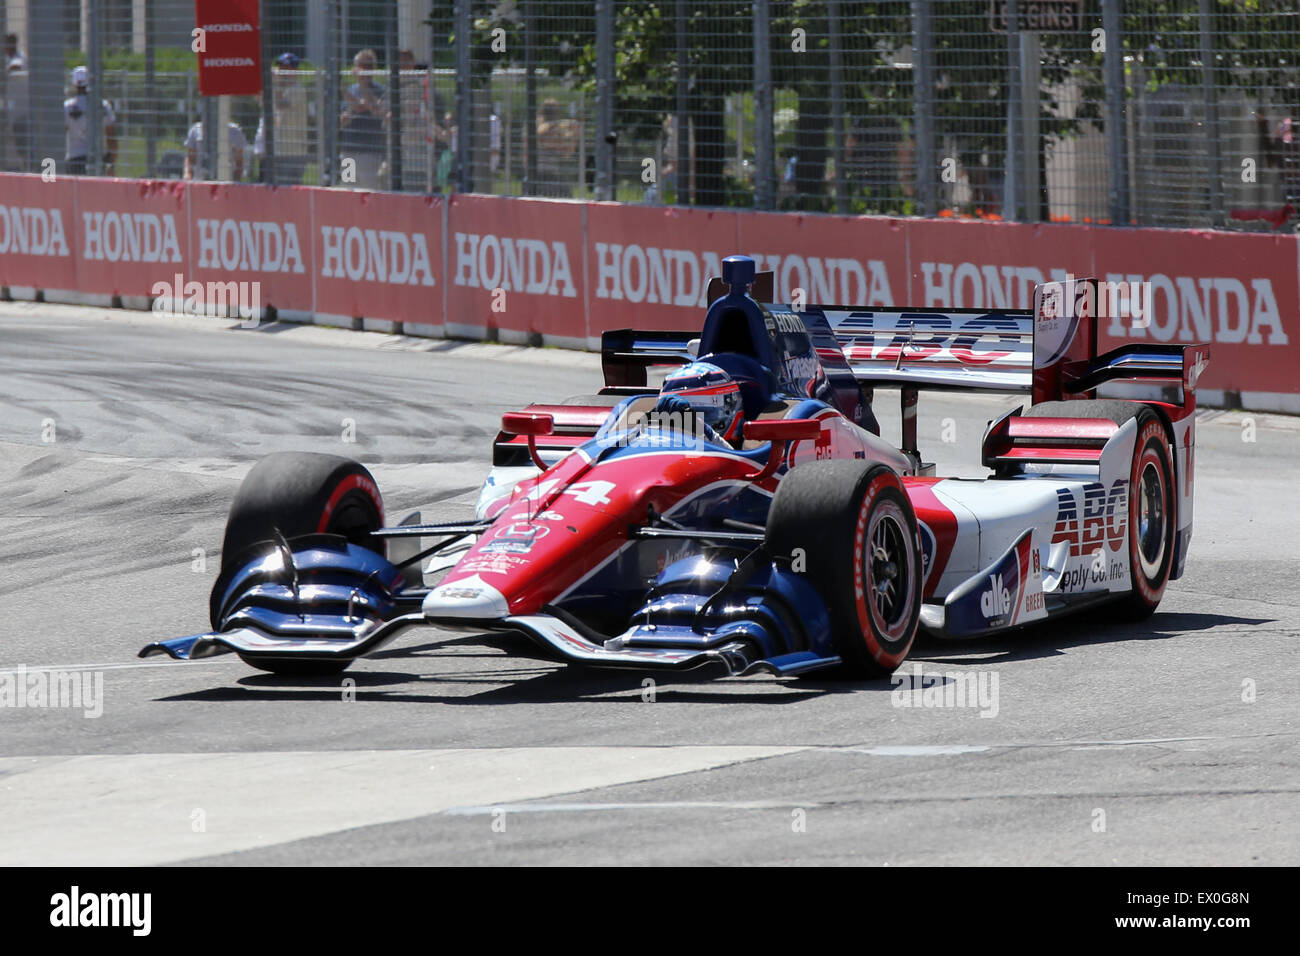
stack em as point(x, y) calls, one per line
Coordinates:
point(487, 810)
point(36, 668)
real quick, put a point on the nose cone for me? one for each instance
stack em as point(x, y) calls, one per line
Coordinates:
point(469, 599)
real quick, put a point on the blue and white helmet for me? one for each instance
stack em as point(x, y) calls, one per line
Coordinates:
point(712, 394)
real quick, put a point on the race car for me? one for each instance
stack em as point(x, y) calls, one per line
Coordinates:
point(747, 514)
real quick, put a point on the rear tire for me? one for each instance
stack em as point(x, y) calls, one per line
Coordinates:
point(1151, 503)
point(856, 531)
point(1151, 521)
point(1117, 411)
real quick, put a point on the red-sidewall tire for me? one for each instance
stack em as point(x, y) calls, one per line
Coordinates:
point(298, 493)
point(1152, 520)
point(855, 528)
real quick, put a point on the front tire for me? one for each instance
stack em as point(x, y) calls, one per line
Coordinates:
point(294, 494)
point(297, 493)
point(856, 531)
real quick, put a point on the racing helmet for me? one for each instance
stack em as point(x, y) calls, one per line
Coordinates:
point(712, 394)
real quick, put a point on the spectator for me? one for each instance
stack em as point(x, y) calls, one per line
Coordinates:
point(77, 127)
point(14, 59)
point(291, 123)
point(363, 123)
point(17, 109)
point(494, 140)
point(442, 138)
point(447, 158)
point(194, 164)
point(557, 149)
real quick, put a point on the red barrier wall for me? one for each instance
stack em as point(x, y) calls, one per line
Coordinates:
point(254, 234)
point(377, 255)
point(516, 266)
point(565, 271)
point(38, 233)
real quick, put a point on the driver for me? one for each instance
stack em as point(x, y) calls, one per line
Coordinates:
point(704, 390)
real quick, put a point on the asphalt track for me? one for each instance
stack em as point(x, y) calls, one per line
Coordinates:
point(123, 437)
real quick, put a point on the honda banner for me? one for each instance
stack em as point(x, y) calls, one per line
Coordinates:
point(228, 42)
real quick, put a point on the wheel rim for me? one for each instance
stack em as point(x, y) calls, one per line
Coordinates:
point(1151, 520)
point(888, 566)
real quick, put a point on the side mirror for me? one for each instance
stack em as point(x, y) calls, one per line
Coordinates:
point(783, 429)
point(529, 424)
point(780, 432)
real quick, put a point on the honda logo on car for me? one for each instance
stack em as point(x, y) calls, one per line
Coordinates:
point(996, 601)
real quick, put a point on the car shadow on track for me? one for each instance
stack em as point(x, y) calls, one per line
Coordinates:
point(515, 671)
point(537, 683)
point(541, 680)
point(1054, 638)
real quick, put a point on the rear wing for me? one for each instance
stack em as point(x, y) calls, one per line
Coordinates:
point(937, 349)
point(1050, 352)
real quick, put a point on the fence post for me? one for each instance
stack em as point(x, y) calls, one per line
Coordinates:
point(923, 106)
point(329, 174)
point(1031, 184)
point(837, 103)
point(95, 90)
point(683, 161)
point(530, 101)
point(267, 171)
point(764, 137)
point(464, 91)
point(150, 92)
point(394, 100)
point(1116, 120)
point(1011, 162)
point(1205, 14)
point(605, 133)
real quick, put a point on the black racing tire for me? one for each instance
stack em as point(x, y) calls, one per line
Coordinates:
point(1117, 411)
point(858, 538)
point(297, 493)
point(1151, 521)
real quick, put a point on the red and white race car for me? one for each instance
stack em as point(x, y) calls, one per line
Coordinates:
point(754, 519)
